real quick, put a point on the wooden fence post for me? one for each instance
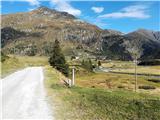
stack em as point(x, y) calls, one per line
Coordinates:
point(73, 76)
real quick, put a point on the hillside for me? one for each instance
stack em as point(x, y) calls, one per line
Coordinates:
point(145, 42)
point(47, 25)
point(148, 42)
point(33, 33)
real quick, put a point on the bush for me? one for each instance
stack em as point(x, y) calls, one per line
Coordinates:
point(3, 57)
point(150, 62)
point(87, 64)
point(99, 63)
point(73, 57)
point(79, 47)
point(147, 87)
point(120, 86)
point(154, 80)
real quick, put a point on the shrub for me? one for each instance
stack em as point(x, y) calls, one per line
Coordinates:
point(154, 80)
point(73, 57)
point(150, 62)
point(87, 64)
point(120, 86)
point(147, 87)
point(3, 57)
point(32, 51)
point(99, 63)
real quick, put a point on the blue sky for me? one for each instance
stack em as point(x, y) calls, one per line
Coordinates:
point(123, 16)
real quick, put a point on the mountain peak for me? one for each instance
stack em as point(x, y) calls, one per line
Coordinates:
point(45, 11)
point(44, 8)
point(143, 30)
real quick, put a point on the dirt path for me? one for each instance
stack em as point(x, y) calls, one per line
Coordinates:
point(23, 95)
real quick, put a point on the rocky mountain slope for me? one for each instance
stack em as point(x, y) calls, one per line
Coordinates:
point(33, 33)
point(147, 41)
point(144, 43)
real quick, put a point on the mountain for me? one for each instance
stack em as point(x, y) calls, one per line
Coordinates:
point(48, 25)
point(34, 32)
point(148, 42)
point(145, 34)
point(109, 32)
point(123, 46)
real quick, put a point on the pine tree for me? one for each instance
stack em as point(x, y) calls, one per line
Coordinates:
point(90, 66)
point(57, 59)
point(99, 63)
point(87, 64)
point(83, 62)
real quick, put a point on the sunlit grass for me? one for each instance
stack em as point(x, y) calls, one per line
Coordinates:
point(14, 63)
point(128, 67)
point(84, 103)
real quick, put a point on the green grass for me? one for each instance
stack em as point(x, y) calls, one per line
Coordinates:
point(83, 103)
point(116, 105)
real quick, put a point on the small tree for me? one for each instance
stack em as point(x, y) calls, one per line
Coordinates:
point(83, 62)
point(87, 64)
point(57, 59)
point(90, 66)
point(99, 63)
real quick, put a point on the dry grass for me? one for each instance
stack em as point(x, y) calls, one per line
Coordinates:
point(113, 81)
point(54, 84)
point(14, 63)
point(128, 67)
point(119, 81)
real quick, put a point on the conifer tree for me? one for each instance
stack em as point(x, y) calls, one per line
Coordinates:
point(57, 59)
point(99, 63)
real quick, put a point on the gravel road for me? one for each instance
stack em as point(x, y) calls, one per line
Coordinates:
point(23, 95)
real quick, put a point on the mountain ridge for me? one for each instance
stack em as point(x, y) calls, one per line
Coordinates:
point(43, 25)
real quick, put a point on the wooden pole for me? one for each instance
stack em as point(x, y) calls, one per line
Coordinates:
point(73, 76)
point(136, 74)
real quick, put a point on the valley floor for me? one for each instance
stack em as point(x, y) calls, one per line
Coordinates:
point(101, 96)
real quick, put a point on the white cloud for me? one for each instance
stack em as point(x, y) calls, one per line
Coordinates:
point(30, 9)
point(101, 23)
point(135, 11)
point(97, 9)
point(65, 6)
point(33, 2)
point(96, 21)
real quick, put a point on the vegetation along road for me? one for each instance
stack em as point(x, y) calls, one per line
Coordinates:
point(24, 96)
